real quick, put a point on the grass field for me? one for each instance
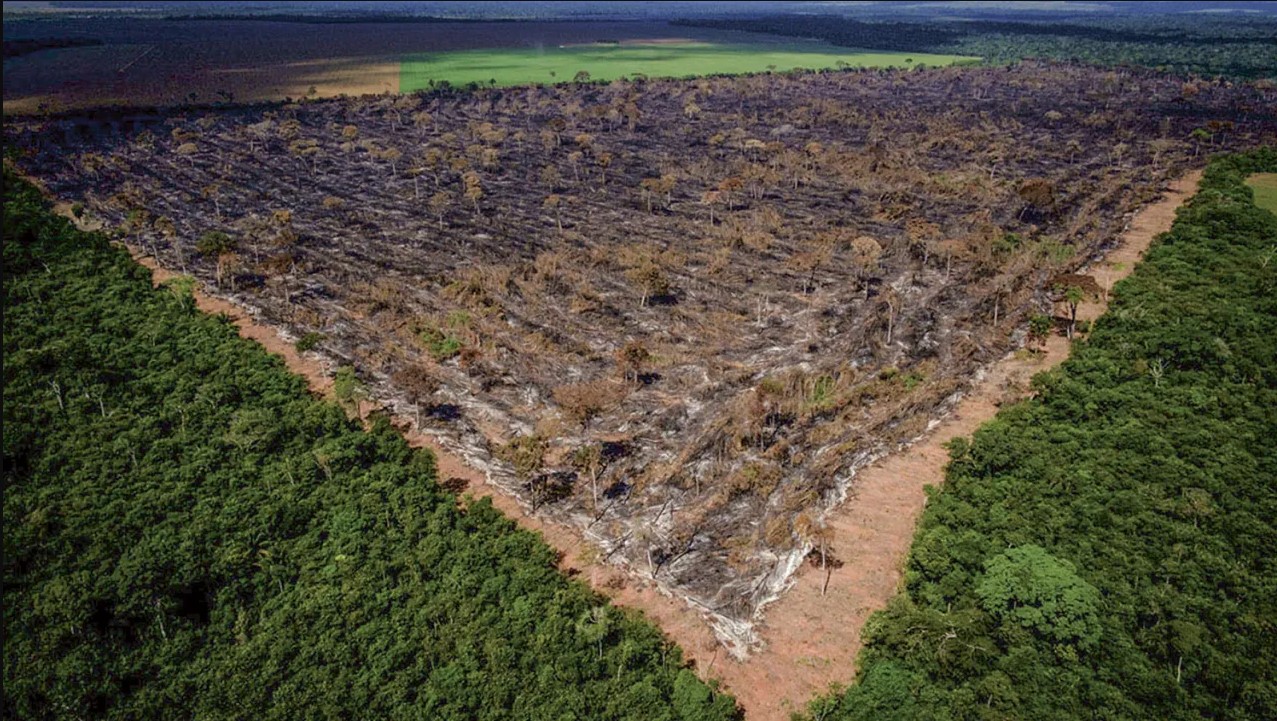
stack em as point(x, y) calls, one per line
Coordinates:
point(520, 66)
point(1265, 187)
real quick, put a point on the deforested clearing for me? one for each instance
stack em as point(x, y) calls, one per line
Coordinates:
point(676, 314)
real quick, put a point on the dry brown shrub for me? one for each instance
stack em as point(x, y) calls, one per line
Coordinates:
point(758, 478)
point(777, 532)
point(582, 402)
point(469, 357)
point(417, 382)
point(739, 552)
point(717, 261)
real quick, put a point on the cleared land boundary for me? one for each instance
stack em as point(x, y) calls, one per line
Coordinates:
point(811, 636)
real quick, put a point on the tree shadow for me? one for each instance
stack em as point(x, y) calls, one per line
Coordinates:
point(446, 412)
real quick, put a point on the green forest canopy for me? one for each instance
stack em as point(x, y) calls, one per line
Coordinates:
point(1239, 45)
point(1105, 550)
point(189, 534)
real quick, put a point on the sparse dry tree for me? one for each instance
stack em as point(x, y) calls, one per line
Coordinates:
point(656, 187)
point(415, 173)
point(392, 156)
point(1038, 195)
point(604, 161)
point(999, 288)
point(167, 229)
point(473, 188)
point(590, 462)
point(582, 402)
point(228, 262)
point(894, 300)
point(136, 222)
point(1073, 147)
point(821, 537)
point(556, 126)
point(951, 248)
point(439, 204)
point(807, 263)
point(632, 115)
point(631, 359)
point(259, 132)
point(527, 455)
point(650, 279)
point(550, 177)
point(553, 203)
point(574, 159)
point(188, 151)
point(1117, 152)
point(922, 236)
point(728, 186)
point(288, 129)
point(647, 187)
point(865, 254)
point(307, 151)
point(709, 199)
point(433, 160)
point(419, 386)
point(212, 192)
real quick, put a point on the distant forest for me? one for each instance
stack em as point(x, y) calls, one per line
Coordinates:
point(189, 534)
point(18, 48)
point(1233, 46)
point(1105, 550)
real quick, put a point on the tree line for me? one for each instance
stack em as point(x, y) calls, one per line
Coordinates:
point(189, 534)
point(1179, 45)
point(1103, 550)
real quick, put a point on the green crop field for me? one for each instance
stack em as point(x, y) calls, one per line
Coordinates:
point(521, 66)
point(1264, 186)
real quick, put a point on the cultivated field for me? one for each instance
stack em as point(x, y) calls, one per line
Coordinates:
point(1264, 185)
point(678, 315)
point(670, 58)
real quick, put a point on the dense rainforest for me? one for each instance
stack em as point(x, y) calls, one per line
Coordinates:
point(1105, 549)
point(1236, 47)
point(189, 534)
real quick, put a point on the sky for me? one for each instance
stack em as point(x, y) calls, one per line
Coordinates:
point(625, 8)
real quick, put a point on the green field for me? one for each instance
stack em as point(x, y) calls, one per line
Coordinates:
point(1264, 186)
point(521, 66)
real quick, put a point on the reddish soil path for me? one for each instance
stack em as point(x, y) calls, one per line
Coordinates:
point(811, 637)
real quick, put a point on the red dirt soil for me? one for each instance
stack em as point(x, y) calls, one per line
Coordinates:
point(811, 637)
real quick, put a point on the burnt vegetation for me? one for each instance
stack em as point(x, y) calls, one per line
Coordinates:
point(677, 314)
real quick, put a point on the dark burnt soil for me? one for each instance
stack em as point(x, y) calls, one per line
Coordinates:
point(731, 292)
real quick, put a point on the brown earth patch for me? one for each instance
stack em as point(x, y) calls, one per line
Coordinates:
point(328, 78)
